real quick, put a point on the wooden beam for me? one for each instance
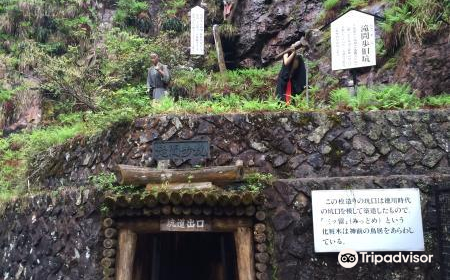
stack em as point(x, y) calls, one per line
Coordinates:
point(127, 250)
point(140, 225)
point(244, 251)
point(230, 224)
point(141, 176)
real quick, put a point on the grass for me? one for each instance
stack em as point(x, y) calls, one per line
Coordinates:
point(330, 4)
point(17, 149)
point(358, 3)
point(228, 30)
point(251, 83)
point(437, 101)
point(409, 21)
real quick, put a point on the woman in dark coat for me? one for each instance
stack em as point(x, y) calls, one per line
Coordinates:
point(292, 77)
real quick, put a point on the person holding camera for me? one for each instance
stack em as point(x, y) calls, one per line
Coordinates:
point(157, 79)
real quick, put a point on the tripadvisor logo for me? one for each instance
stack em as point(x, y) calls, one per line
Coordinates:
point(348, 258)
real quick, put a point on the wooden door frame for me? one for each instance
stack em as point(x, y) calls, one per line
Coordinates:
point(240, 227)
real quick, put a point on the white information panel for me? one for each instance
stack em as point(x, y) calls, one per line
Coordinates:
point(353, 41)
point(197, 31)
point(367, 220)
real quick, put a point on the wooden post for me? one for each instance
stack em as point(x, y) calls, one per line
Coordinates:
point(127, 250)
point(219, 49)
point(244, 252)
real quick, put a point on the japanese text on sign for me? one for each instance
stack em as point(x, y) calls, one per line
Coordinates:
point(197, 31)
point(185, 224)
point(353, 41)
point(367, 220)
point(180, 150)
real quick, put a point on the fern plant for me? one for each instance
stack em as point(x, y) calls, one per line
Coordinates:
point(340, 98)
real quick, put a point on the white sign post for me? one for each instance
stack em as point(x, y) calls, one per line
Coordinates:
point(367, 220)
point(353, 41)
point(197, 31)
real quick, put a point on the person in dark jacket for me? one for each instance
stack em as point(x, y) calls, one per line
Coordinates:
point(292, 77)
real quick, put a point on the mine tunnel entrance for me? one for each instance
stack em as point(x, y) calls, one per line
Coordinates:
point(168, 241)
point(185, 255)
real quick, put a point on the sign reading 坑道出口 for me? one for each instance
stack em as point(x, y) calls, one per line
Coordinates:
point(186, 224)
point(367, 220)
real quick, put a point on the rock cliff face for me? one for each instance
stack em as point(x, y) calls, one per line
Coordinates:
point(426, 67)
point(268, 27)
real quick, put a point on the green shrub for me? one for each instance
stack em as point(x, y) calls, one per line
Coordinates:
point(54, 49)
point(330, 4)
point(172, 7)
point(133, 13)
point(46, 20)
point(173, 24)
point(129, 56)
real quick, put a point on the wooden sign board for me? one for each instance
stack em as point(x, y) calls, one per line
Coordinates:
point(185, 224)
point(367, 220)
point(181, 150)
point(353, 41)
point(197, 31)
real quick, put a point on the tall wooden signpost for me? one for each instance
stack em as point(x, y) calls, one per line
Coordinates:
point(353, 42)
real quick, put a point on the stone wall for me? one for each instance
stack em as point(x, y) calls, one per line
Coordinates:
point(56, 234)
point(291, 219)
point(51, 236)
point(286, 144)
